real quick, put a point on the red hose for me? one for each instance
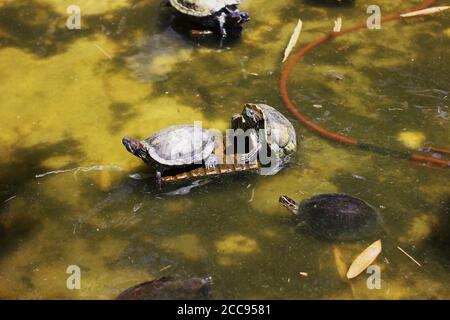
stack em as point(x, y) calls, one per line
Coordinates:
point(333, 136)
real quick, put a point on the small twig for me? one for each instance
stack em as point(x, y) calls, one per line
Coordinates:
point(103, 51)
point(252, 196)
point(409, 256)
point(9, 199)
point(165, 268)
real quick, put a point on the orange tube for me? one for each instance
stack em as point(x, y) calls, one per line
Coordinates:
point(333, 136)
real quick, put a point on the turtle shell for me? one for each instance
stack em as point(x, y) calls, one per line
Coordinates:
point(168, 288)
point(180, 145)
point(278, 129)
point(339, 217)
point(201, 8)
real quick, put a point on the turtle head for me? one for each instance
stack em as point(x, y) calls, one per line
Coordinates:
point(237, 121)
point(251, 117)
point(289, 204)
point(135, 147)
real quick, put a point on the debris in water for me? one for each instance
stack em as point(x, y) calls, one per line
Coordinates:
point(137, 207)
point(103, 51)
point(139, 176)
point(252, 196)
point(293, 40)
point(303, 274)
point(332, 74)
point(409, 256)
point(165, 268)
point(425, 12)
point(364, 260)
point(83, 169)
point(9, 199)
point(337, 25)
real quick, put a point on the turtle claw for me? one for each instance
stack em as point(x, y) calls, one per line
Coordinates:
point(211, 162)
point(251, 156)
point(223, 32)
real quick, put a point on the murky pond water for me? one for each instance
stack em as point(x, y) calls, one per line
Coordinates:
point(68, 97)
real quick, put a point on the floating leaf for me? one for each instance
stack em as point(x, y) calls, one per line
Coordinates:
point(364, 260)
point(425, 11)
point(337, 25)
point(294, 39)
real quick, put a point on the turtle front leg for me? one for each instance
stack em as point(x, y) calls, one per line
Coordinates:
point(159, 172)
point(211, 162)
point(221, 20)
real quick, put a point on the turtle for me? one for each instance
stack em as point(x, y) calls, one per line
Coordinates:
point(277, 132)
point(175, 146)
point(169, 288)
point(218, 13)
point(336, 216)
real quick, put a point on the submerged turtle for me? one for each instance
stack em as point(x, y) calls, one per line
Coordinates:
point(219, 13)
point(278, 132)
point(176, 146)
point(168, 288)
point(335, 216)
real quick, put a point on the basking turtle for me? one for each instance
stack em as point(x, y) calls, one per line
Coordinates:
point(219, 13)
point(335, 216)
point(176, 146)
point(168, 288)
point(278, 132)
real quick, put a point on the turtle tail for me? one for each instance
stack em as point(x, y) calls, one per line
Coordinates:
point(289, 204)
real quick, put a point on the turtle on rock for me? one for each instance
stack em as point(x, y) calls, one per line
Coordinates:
point(272, 129)
point(335, 216)
point(175, 147)
point(218, 14)
point(168, 288)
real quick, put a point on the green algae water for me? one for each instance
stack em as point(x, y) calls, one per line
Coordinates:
point(70, 193)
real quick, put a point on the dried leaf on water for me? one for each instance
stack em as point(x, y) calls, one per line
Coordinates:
point(424, 12)
point(293, 40)
point(364, 260)
point(337, 25)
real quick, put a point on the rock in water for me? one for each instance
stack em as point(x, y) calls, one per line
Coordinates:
point(168, 288)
